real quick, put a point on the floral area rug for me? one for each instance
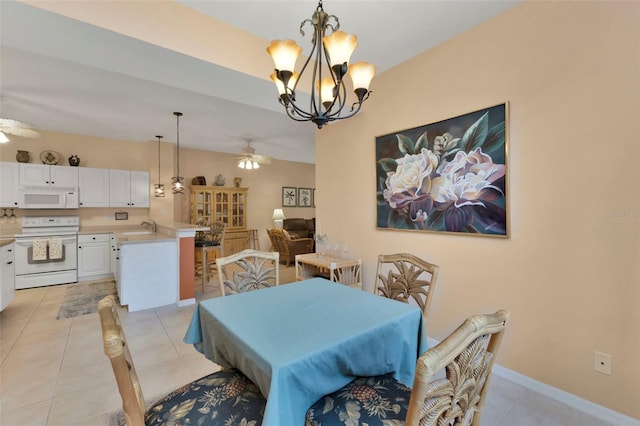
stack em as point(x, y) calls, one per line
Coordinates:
point(82, 299)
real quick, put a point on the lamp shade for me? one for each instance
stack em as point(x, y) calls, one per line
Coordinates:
point(361, 74)
point(278, 218)
point(340, 46)
point(280, 85)
point(284, 54)
point(326, 90)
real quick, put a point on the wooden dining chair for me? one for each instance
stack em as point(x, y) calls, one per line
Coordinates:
point(462, 362)
point(248, 270)
point(224, 397)
point(406, 277)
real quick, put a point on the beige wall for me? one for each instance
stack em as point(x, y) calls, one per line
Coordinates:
point(265, 185)
point(570, 272)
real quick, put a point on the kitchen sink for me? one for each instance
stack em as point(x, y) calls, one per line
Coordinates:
point(137, 233)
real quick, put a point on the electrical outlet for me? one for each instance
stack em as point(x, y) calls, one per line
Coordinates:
point(602, 363)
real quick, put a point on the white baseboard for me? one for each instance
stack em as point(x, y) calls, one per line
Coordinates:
point(573, 401)
point(186, 302)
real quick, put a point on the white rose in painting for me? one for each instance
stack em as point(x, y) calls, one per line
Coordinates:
point(410, 178)
point(467, 180)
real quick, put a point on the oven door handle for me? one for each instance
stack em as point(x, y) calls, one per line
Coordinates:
point(29, 243)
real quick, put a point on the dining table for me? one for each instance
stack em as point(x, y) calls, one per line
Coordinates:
point(300, 341)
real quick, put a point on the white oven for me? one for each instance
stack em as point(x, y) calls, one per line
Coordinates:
point(46, 251)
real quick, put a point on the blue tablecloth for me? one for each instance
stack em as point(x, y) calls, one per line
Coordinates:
point(303, 340)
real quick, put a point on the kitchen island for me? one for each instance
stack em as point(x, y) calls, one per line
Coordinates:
point(148, 274)
point(153, 268)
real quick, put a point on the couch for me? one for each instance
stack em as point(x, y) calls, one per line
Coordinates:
point(300, 228)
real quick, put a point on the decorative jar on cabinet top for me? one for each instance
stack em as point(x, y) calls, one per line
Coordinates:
point(23, 156)
point(74, 160)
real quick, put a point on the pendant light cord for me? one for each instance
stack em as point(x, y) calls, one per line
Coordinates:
point(159, 137)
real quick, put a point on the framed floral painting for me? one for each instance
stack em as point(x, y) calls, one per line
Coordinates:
point(450, 176)
point(289, 196)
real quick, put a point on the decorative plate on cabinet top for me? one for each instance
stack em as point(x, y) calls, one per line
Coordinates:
point(49, 157)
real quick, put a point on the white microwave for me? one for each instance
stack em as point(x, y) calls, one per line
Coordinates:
point(48, 198)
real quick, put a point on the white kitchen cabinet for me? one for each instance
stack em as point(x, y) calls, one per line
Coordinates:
point(93, 187)
point(128, 188)
point(7, 275)
point(46, 175)
point(94, 256)
point(9, 194)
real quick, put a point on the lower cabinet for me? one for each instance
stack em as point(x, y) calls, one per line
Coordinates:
point(235, 241)
point(94, 256)
point(7, 275)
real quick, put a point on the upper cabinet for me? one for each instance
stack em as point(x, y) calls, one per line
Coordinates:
point(128, 188)
point(94, 187)
point(46, 175)
point(9, 194)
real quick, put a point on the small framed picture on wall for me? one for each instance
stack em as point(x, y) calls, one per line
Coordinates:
point(289, 196)
point(304, 197)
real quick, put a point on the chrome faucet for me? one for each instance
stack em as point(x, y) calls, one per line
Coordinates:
point(151, 223)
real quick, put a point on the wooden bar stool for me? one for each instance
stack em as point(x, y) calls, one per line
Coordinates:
point(209, 244)
point(254, 242)
point(205, 249)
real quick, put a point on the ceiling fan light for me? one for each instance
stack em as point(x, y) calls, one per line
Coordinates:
point(3, 138)
point(256, 165)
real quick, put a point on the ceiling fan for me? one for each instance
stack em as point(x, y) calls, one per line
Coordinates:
point(16, 128)
point(250, 160)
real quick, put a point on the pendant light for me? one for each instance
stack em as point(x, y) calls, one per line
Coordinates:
point(177, 182)
point(158, 187)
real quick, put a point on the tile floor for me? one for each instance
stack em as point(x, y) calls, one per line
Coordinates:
point(54, 372)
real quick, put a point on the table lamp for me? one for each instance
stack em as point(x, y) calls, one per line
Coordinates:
point(278, 217)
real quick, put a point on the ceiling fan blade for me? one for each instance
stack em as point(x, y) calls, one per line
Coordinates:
point(18, 128)
point(261, 159)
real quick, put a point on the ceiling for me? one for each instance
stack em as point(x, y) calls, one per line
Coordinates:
point(64, 75)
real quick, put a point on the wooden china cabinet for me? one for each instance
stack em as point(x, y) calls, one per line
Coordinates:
point(227, 205)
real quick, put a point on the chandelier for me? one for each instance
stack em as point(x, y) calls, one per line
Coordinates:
point(331, 54)
point(177, 182)
point(158, 188)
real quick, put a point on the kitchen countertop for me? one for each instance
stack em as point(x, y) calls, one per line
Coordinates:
point(5, 242)
point(133, 234)
point(165, 231)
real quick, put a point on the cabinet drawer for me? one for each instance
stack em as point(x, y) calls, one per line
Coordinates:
point(94, 238)
point(6, 251)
